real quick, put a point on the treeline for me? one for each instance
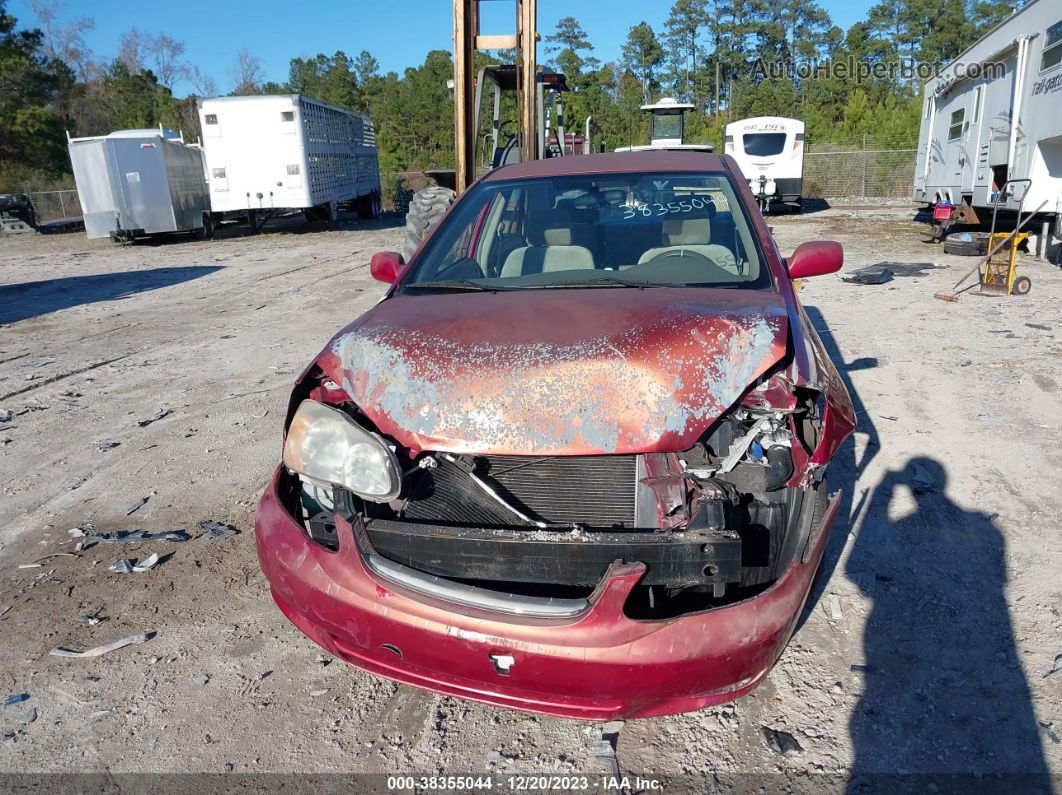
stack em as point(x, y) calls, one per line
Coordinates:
point(731, 58)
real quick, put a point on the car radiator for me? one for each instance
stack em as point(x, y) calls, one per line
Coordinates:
point(597, 491)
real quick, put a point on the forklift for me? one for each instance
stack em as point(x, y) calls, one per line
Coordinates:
point(539, 112)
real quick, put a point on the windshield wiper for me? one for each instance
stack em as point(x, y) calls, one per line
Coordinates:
point(603, 281)
point(462, 284)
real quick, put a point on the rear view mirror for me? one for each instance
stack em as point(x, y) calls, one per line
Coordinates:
point(815, 258)
point(386, 265)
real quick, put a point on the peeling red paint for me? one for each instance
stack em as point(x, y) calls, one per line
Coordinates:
point(548, 372)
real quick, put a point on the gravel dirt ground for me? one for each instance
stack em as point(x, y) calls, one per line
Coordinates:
point(926, 648)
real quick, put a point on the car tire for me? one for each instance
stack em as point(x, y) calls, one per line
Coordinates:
point(977, 247)
point(425, 209)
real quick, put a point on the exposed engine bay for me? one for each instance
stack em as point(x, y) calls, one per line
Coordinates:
point(714, 524)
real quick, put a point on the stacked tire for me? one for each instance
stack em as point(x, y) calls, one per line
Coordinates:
point(425, 209)
point(976, 246)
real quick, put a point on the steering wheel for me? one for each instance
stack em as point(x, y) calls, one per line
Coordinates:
point(679, 253)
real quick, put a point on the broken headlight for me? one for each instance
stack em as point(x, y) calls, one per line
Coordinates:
point(327, 446)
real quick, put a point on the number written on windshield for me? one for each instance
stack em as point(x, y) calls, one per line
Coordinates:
point(657, 209)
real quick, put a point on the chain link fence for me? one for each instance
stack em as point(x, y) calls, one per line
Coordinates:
point(865, 172)
point(54, 205)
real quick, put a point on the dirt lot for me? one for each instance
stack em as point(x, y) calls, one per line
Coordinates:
point(927, 649)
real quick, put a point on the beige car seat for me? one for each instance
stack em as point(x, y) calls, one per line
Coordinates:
point(551, 250)
point(693, 235)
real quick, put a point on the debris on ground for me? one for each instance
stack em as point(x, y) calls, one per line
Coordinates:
point(105, 648)
point(868, 275)
point(212, 530)
point(135, 537)
point(320, 692)
point(921, 479)
point(158, 415)
point(832, 608)
point(605, 747)
point(1046, 726)
point(780, 741)
point(1056, 667)
point(135, 505)
point(107, 444)
point(92, 619)
point(881, 272)
point(17, 698)
point(57, 555)
point(146, 563)
point(123, 566)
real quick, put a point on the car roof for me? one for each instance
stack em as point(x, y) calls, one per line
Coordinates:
point(613, 162)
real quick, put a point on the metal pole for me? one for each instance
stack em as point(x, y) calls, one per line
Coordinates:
point(62, 205)
point(863, 186)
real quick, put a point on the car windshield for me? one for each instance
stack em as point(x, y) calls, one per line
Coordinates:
point(595, 230)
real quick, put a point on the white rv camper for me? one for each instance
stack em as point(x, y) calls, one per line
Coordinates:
point(968, 146)
point(133, 183)
point(267, 153)
point(769, 150)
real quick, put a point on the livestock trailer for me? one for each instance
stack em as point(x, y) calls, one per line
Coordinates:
point(134, 183)
point(992, 115)
point(288, 152)
point(769, 150)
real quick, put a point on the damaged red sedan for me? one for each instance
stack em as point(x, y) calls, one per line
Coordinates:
point(574, 461)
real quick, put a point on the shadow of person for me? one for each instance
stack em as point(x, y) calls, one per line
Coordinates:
point(944, 691)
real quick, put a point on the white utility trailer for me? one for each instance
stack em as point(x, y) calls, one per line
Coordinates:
point(769, 150)
point(993, 115)
point(134, 183)
point(288, 152)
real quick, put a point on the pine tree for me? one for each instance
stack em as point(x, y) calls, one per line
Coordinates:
point(642, 54)
point(685, 25)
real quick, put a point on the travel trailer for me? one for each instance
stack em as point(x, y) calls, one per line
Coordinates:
point(135, 183)
point(770, 152)
point(288, 152)
point(992, 117)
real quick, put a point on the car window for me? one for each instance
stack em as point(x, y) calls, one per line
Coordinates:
point(668, 229)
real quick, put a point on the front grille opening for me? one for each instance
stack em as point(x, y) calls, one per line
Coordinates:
point(592, 491)
point(654, 602)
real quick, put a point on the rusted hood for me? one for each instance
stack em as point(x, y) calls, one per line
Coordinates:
point(556, 372)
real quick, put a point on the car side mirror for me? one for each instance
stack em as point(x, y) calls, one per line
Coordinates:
point(386, 265)
point(815, 258)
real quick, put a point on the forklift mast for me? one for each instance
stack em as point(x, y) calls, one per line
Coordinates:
point(467, 40)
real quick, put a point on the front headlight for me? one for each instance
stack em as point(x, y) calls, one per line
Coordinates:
point(326, 445)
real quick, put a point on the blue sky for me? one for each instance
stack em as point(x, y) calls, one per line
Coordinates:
point(398, 33)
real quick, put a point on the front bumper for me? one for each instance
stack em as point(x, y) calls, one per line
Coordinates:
point(599, 665)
